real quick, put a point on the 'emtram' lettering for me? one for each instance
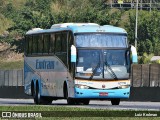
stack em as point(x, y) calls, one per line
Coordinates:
point(44, 64)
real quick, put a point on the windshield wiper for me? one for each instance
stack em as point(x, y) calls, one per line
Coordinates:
point(111, 71)
point(94, 71)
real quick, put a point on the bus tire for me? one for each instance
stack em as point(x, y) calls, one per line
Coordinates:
point(70, 101)
point(46, 100)
point(115, 101)
point(82, 101)
point(32, 88)
point(86, 102)
point(36, 94)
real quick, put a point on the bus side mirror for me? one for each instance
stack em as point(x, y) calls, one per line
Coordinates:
point(73, 53)
point(134, 54)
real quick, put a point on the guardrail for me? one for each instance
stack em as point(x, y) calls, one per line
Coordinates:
point(143, 75)
point(131, 4)
point(11, 77)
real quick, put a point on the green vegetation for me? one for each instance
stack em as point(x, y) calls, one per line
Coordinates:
point(146, 58)
point(6, 65)
point(18, 16)
point(4, 24)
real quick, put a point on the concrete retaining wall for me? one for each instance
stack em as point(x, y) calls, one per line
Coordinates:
point(145, 94)
point(137, 94)
point(13, 92)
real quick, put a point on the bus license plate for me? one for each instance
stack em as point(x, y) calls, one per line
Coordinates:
point(103, 94)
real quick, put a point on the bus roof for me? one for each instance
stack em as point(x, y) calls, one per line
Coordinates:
point(79, 28)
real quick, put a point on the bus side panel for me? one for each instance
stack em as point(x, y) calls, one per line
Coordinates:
point(28, 76)
point(50, 71)
point(71, 87)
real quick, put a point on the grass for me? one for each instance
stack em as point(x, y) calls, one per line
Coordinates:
point(80, 113)
point(9, 58)
point(8, 65)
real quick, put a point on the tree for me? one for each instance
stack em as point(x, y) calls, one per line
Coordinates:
point(130, 27)
point(146, 58)
point(44, 13)
point(148, 31)
point(80, 11)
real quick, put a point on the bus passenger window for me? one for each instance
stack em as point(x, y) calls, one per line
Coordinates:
point(64, 41)
point(30, 45)
point(26, 45)
point(70, 39)
point(46, 42)
point(34, 44)
point(58, 42)
point(40, 45)
point(52, 44)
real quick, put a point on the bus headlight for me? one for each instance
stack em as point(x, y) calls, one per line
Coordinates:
point(123, 86)
point(81, 86)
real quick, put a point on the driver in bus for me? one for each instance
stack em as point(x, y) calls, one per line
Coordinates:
point(115, 60)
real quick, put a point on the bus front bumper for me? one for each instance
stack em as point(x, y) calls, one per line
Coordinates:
point(102, 94)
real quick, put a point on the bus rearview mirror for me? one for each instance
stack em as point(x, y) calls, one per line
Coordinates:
point(73, 53)
point(134, 54)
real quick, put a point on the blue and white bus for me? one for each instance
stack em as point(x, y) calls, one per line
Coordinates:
point(77, 62)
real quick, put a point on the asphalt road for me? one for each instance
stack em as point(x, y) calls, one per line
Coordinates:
point(125, 105)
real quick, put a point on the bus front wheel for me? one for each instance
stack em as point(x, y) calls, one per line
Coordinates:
point(86, 102)
point(115, 101)
point(70, 101)
point(46, 100)
point(83, 101)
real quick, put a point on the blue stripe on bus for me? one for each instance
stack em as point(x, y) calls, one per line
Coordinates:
point(85, 29)
point(94, 93)
point(105, 28)
point(28, 68)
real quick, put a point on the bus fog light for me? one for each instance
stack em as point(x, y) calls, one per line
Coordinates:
point(81, 86)
point(123, 86)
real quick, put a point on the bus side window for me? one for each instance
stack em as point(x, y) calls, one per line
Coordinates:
point(46, 43)
point(64, 47)
point(34, 44)
point(70, 39)
point(58, 43)
point(40, 44)
point(52, 44)
point(64, 41)
point(26, 45)
point(30, 45)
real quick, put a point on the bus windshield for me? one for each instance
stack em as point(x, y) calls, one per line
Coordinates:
point(101, 40)
point(103, 64)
